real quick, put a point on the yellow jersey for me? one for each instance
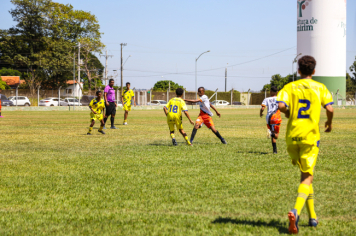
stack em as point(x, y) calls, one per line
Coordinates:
point(304, 98)
point(97, 106)
point(127, 95)
point(175, 106)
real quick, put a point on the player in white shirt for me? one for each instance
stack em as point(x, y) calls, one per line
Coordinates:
point(205, 115)
point(273, 117)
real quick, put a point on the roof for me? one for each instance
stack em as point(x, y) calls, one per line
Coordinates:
point(72, 82)
point(11, 80)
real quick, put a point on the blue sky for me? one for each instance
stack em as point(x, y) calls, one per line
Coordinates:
point(164, 38)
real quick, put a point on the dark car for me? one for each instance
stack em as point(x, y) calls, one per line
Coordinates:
point(86, 99)
point(5, 101)
point(237, 103)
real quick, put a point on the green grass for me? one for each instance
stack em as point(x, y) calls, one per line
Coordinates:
point(55, 180)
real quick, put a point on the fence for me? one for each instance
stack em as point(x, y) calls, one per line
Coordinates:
point(143, 97)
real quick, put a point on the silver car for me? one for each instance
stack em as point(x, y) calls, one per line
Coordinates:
point(72, 102)
point(52, 102)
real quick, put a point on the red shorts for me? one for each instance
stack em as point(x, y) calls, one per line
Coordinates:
point(275, 122)
point(206, 119)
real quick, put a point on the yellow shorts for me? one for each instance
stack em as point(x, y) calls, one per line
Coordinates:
point(174, 121)
point(126, 107)
point(96, 116)
point(304, 155)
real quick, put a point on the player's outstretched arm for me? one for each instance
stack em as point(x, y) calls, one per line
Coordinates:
point(165, 110)
point(283, 108)
point(188, 100)
point(330, 115)
point(217, 113)
point(187, 115)
point(261, 111)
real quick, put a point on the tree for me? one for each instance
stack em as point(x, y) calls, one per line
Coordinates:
point(278, 81)
point(42, 43)
point(164, 84)
point(9, 72)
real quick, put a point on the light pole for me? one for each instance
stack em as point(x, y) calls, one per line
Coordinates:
point(122, 81)
point(196, 79)
point(294, 61)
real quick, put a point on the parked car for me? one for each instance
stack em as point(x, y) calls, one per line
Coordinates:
point(220, 103)
point(157, 103)
point(72, 102)
point(86, 99)
point(21, 101)
point(52, 102)
point(5, 101)
point(237, 103)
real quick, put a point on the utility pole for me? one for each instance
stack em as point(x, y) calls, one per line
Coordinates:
point(106, 65)
point(226, 77)
point(122, 79)
point(79, 62)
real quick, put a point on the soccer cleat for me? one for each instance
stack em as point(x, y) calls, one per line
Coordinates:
point(293, 221)
point(100, 131)
point(313, 222)
point(112, 127)
point(274, 152)
point(1, 117)
point(174, 142)
point(125, 123)
point(88, 133)
point(268, 133)
point(223, 141)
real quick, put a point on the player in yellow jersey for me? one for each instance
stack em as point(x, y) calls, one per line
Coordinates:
point(97, 106)
point(173, 111)
point(126, 98)
point(301, 102)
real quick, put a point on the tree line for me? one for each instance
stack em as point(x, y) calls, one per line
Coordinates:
point(43, 45)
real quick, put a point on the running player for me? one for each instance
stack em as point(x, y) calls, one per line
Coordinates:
point(304, 99)
point(110, 103)
point(205, 115)
point(126, 98)
point(97, 106)
point(273, 117)
point(173, 111)
point(0, 104)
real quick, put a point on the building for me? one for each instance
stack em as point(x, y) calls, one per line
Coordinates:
point(12, 81)
point(73, 89)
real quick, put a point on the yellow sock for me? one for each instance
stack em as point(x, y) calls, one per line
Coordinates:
point(172, 136)
point(303, 193)
point(101, 127)
point(90, 129)
point(187, 140)
point(125, 120)
point(310, 203)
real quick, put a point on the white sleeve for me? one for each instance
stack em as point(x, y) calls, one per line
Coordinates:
point(204, 98)
point(264, 103)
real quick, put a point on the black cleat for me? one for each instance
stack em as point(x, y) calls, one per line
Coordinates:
point(223, 141)
point(112, 127)
point(100, 131)
point(274, 152)
point(174, 142)
point(88, 133)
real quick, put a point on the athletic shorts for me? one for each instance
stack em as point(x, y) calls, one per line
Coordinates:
point(94, 117)
point(304, 155)
point(126, 107)
point(206, 119)
point(174, 121)
point(0, 104)
point(275, 121)
point(111, 109)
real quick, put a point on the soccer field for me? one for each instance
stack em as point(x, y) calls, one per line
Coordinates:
point(57, 180)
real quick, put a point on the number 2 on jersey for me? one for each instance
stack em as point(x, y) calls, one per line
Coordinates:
point(307, 102)
point(175, 109)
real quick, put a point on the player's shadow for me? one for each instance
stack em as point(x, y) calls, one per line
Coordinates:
point(281, 227)
point(253, 152)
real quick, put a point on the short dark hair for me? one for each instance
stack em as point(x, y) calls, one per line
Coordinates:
point(274, 89)
point(179, 91)
point(128, 83)
point(111, 80)
point(201, 88)
point(97, 92)
point(306, 65)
